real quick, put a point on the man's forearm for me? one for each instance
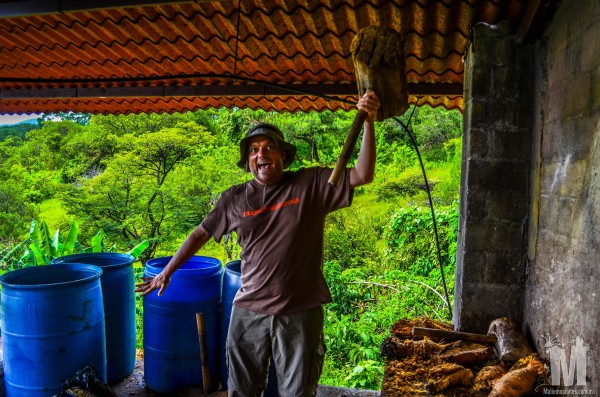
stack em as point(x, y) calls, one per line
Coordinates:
point(365, 164)
point(188, 248)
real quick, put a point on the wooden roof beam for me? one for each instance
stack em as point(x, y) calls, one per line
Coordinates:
point(442, 89)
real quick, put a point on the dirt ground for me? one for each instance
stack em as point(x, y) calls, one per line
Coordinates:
point(135, 386)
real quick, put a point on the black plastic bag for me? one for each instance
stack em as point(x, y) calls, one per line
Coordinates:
point(86, 382)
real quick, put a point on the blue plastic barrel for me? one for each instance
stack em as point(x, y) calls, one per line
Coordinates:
point(232, 282)
point(171, 345)
point(52, 325)
point(118, 283)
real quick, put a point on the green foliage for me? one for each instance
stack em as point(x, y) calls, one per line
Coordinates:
point(447, 191)
point(138, 194)
point(374, 286)
point(15, 210)
point(40, 247)
point(152, 178)
point(350, 236)
point(16, 131)
point(405, 186)
point(366, 375)
point(411, 241)
point(79, 118)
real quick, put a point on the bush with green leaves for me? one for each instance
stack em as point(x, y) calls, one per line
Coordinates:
point(351, 237)
point(154, 178)
point(40, 247)
point(364, 308)
point(411, 240)
point(406, 186)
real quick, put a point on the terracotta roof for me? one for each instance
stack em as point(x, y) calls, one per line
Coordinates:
point(178, 56)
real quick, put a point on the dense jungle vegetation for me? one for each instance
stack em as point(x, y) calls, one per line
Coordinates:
point(74, 182)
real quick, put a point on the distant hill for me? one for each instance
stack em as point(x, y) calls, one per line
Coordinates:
point(30, 121)
point(17, 130)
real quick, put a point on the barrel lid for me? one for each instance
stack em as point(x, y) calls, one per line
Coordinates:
point(45, 276)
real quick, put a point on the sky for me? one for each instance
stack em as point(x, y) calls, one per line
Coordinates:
point(7, 119)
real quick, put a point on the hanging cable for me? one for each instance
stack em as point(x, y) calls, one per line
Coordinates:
point(286, 88)
point(435, 230)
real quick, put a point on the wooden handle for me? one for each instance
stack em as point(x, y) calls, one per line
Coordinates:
point(351, 139)
point(453, 335)
point(206, 386)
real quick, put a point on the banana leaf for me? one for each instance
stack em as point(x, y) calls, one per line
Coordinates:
point(98, 241)
point(39, 256)
point(34, 233)
point(69, 243)
point(27, 259)
point(45, 243)
point(138, 249)
point(57, 244)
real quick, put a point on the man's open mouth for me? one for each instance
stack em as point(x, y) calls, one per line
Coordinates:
point(263, 166)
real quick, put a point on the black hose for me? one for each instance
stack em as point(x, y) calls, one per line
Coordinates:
point(435, 230)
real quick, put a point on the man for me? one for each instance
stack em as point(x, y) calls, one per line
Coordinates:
point(279, 218)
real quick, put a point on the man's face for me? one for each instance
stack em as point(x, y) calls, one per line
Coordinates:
point(265, 160)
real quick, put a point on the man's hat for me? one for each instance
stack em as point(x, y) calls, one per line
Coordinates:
point(272, 132)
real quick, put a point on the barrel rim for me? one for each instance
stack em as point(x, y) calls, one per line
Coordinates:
point(237, 263)
point(7, 279)
point(214, 268)
point(128, 259)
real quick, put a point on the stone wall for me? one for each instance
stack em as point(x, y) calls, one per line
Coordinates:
point(495, 185)
point(562, 290)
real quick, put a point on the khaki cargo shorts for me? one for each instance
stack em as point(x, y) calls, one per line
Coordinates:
point(293, 341)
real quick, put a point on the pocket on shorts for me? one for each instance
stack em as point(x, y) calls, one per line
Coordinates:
point(316, 367)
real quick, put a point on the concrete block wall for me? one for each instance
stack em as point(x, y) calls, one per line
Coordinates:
point(495, 185)
point(562, 299)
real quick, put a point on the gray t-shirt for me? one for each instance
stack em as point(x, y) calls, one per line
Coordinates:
point(280, 229)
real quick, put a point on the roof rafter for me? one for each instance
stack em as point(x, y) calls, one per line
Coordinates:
point(454, 89)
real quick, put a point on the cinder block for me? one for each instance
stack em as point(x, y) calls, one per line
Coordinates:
point(550, 226)
point(499, 175)
point(548, 211)
point(479, 145)
point(493, 236)
point(511, 143)
point(573, 184)
point(557, 94)
point(483, 303)
point(566, 210)
point(491, 44)
point(577, 100)
point(479, 81)
point(552, 175)
point(509, 205)
point(474, 199)
point(494, 267)
point(505, 79)
point(580, 133)
point(505, 268)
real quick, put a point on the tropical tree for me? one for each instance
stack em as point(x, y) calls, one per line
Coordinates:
point(135, 196)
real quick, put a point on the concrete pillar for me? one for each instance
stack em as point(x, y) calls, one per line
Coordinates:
point(494, 208)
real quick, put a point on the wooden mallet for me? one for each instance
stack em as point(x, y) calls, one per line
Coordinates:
point(379, 65)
